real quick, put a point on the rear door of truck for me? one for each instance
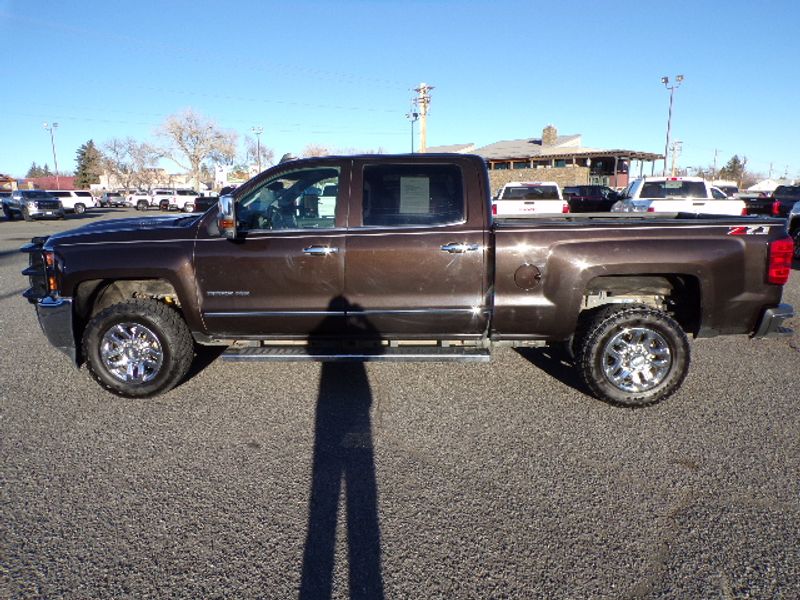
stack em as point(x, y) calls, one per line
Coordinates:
point(417, 246)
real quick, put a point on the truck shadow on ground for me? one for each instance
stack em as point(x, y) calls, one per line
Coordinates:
point(555, 363)
point(343, 465)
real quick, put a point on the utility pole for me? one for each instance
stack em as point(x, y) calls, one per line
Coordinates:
point(258, 131)
point(676, 151)
point(671, 88)
point(423, 101)
point(714, 173)
point(51, 129)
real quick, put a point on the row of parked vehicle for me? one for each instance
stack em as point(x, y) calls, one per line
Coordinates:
point(56, 204)
point(647, 195)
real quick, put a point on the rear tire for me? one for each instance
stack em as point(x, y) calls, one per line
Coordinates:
point(141, 205)
point(9, 215)
point(138, 348)
point(632, 356)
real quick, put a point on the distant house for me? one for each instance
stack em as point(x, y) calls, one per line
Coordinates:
point(607, 167)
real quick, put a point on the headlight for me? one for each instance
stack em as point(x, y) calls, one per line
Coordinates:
point(30, 204)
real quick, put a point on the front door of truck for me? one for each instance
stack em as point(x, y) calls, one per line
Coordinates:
point(416, 260)
point(284, 274)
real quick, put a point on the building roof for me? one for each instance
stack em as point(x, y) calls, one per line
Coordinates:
point(527, 147)
point(457, 148)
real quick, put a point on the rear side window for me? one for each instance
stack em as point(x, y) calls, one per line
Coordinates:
point(84, 194)
point(408, 195)
point(673, 189)
point(538, 192)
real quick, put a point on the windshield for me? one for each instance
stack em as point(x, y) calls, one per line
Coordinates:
point(673, 189)
point(533, 192)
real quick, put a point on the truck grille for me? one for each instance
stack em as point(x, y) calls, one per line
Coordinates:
point(48, 204)
point(36, 271)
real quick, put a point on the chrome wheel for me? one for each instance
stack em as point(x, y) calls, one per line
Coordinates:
point(131, 353)
point(636, 359)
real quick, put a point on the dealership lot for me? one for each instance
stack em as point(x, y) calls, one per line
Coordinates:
point(403, 480)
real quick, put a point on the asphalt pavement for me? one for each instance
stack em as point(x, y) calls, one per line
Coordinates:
point(498, 480)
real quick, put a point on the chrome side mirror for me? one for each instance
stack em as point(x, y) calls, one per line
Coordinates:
point(226, 217)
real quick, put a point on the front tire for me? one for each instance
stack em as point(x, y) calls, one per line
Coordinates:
point(80, 209)
point(634, 356)
point(138, 348)
point(26, 215)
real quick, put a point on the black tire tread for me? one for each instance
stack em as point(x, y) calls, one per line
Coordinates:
point(594, 325)
point(181, 350)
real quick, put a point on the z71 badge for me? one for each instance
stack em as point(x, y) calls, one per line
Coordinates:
point(751, 230)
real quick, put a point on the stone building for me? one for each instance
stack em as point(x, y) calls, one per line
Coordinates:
point(560, 158)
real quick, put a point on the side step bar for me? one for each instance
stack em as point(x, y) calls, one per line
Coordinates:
point(386, 354)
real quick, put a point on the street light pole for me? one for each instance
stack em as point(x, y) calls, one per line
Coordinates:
point(51, 129)
point(412, 116)
point(258, 131)
point(671, 88)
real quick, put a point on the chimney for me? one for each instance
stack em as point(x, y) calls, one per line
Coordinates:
point(549, 136)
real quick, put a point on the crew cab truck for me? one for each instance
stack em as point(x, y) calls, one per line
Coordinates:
point(677, 194)
point(528, 198)
point(410, 265)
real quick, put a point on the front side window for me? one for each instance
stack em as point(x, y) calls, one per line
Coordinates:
point(409, 195)
point(292, 200)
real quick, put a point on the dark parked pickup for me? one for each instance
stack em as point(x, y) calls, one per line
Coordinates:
point(590, 198)
point(403, 262)
point(778, 204)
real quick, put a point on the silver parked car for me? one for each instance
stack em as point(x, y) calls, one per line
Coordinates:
point(32, 204)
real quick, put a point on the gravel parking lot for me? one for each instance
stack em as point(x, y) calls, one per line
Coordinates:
point(501, 480)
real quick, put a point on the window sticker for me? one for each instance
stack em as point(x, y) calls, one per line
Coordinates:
point(414, 195)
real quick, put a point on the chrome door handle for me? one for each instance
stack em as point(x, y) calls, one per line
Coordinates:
point(459, 248)
point(320, 250)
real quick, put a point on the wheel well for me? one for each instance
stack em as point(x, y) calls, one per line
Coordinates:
point(94, 295)
point(678, 295)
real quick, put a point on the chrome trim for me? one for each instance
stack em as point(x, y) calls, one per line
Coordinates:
point(55, 319)
point(770, 324)
point(330, 313)
point(459, 248)
point(320, 250)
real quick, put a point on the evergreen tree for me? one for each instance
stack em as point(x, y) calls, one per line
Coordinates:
point(46, 172)
point(34, 171)
point(90, 165)
point(734, 169)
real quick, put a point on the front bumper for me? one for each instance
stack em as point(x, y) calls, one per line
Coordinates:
point(771, 323)
point(55, 319)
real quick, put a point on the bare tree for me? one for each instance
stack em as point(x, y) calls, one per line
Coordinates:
point(117, 162)
point(144, 159)
point(252, 148)
point(193, 139)
point(315, 150)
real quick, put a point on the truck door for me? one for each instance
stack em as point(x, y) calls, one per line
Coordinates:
point(416, 257)
point(284, 274)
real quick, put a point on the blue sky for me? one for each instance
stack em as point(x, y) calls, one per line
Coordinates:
point(340, 74)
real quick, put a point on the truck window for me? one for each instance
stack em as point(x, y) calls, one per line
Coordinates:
point(409, 195)
point(291, 201)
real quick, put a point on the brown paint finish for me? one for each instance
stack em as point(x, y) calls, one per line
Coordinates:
point(264, 284)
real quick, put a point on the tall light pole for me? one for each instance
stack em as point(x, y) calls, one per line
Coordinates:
point(258, 131)
point(671, 88)
point(51, 129)
point(412, 116)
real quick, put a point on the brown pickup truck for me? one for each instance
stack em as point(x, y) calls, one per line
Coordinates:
point(400, 259)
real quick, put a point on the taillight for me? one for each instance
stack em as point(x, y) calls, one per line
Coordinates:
point(780, 261)
point(565, 208)
point(776, 208)
point(651, 209)
point(744, 211)
point(494, 209)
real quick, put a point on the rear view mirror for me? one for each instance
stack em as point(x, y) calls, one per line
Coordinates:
point(226, 217)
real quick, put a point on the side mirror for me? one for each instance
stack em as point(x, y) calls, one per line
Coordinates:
point(226, 217)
